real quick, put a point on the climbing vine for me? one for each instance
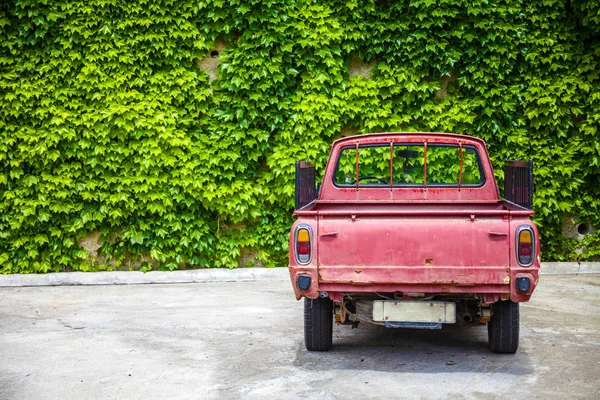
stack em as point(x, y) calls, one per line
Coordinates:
point(108, 126)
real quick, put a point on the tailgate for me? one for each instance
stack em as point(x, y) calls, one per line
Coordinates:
point(457, 250)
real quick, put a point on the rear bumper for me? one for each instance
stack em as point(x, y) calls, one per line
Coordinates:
point(490, 281)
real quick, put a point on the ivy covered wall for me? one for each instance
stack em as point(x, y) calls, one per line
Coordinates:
point(163, 134)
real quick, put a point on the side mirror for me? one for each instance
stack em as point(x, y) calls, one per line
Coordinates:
point(306, 189)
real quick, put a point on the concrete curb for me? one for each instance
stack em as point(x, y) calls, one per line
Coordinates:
point(137, 277)
point(570, 268)
point(559, 268)
point(215, 275)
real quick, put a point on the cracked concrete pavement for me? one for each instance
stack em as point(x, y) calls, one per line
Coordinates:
point(245, 340)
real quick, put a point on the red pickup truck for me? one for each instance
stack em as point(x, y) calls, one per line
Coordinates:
point(409, 230)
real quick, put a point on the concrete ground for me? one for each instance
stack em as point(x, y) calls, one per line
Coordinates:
point(245, 340)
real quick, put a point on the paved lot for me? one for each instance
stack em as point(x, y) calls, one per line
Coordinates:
point(244, 340)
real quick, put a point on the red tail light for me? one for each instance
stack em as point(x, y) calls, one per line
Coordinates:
point(303, 248)
point(525, 245)
point(303, 253)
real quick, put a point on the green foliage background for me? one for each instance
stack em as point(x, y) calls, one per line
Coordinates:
point(107, 124)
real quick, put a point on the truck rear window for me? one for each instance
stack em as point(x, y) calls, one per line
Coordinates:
point(443, 166)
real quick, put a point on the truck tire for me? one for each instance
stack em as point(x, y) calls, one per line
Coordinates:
point(503, 328)
point(318, 324)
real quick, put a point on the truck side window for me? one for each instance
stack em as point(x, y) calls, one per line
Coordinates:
point(408, 164)
point(471, 170)
point(443, 164)
point(373, 166)
point(346, 173)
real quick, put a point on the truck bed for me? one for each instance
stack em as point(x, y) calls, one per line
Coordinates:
point(422, 246)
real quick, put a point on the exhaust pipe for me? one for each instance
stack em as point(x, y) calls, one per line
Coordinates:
point(466, 316)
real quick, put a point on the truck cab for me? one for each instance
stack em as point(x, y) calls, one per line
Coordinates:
point(408, 230)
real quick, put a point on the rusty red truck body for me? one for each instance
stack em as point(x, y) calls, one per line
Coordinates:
point(409, 230)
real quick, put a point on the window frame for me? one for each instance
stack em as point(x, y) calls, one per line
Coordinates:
point(409, 185)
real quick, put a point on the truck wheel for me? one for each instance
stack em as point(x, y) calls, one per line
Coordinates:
point(503, 328)
point(318, 324)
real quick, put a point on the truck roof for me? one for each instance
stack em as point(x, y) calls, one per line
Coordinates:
point(425, 135)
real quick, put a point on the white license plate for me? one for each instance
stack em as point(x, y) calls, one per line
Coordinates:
point(414, 311)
